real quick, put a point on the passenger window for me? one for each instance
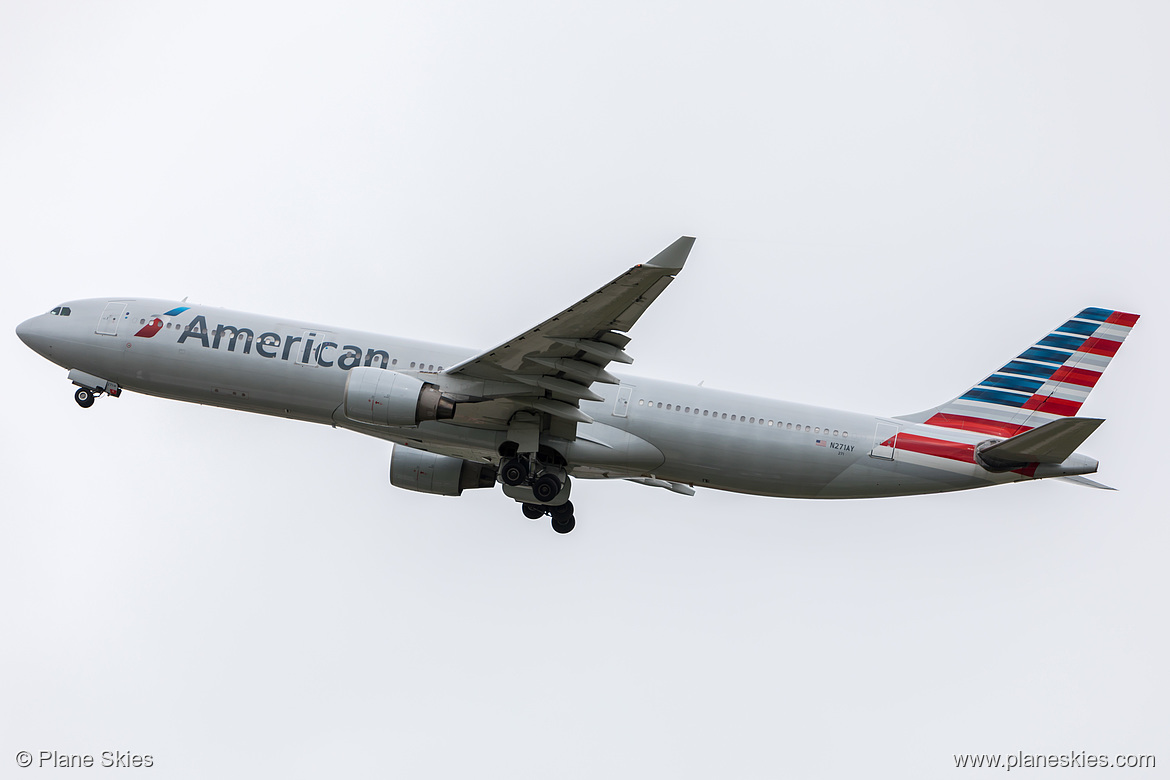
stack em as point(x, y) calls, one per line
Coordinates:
point(704, 412)
point(430, 366)
point(688, 410)
point(394, 362)
point(761, 421)
point(834, 433)
point(845, 434)
point(412, 364)
point(752, 420)
point(659, 405)
point(141, 322)
point(725, 415)
point(668, 407)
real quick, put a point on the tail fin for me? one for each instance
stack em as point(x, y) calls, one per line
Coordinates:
point(1047, 381)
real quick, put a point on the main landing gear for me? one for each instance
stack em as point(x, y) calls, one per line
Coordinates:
point(538, 481)
point(563, 520)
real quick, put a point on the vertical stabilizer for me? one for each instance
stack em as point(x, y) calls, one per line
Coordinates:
point(1048, 381)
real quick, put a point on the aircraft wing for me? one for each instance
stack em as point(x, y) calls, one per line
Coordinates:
point(562, 356)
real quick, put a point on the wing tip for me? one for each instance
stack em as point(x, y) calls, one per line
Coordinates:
point(674, 256)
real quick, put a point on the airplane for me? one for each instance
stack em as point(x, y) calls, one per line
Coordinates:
point(542, 408)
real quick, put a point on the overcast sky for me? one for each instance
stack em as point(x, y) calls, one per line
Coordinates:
point(889, 202)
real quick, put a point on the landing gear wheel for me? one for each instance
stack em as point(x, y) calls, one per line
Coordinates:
point(562, 518)
point(532, 511)
point(84, 397)
point(514, 472)
point(546, 488)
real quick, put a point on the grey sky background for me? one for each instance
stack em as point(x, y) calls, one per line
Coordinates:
point(889, 202)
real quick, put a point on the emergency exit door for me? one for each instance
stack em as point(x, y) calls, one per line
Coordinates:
point(622, 405)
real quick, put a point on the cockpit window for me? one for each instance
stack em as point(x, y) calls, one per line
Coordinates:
point(62, 311)
point(56, 310)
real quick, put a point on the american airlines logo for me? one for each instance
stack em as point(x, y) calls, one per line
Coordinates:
point(273, 345)
point(156, 323)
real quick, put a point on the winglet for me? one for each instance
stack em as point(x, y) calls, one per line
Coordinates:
point(674, 255)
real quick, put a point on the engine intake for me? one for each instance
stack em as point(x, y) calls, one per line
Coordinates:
point(442, 475)
point(381, 397)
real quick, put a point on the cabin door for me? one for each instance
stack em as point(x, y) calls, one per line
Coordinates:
point(885, 441)
point(111, 316)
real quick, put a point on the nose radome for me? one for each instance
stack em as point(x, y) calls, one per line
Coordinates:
point(24, 331)
point(30, 333)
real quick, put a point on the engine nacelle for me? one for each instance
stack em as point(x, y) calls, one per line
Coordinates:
point(382, 397)
point(440, 475)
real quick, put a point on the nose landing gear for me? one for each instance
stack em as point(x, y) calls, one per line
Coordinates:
point(90, 387)
point(84, 397)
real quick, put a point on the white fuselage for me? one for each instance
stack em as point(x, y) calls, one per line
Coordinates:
point(642, 427)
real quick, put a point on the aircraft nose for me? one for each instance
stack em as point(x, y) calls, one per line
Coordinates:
point(29, 332)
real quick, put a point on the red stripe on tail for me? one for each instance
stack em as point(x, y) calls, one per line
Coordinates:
point(977, 424)
point(1121, 318)
point(1096, 346)
point(1076, 376)
point(1046, 403)
point(937, 447)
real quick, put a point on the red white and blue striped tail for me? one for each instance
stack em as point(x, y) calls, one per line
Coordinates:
point(1049, 380)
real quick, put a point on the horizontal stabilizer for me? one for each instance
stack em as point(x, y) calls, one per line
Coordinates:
point(1085, 482)
point(1052, 442)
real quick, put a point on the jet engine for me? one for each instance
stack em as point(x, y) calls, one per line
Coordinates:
point(440, 475)
point(382, 397)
